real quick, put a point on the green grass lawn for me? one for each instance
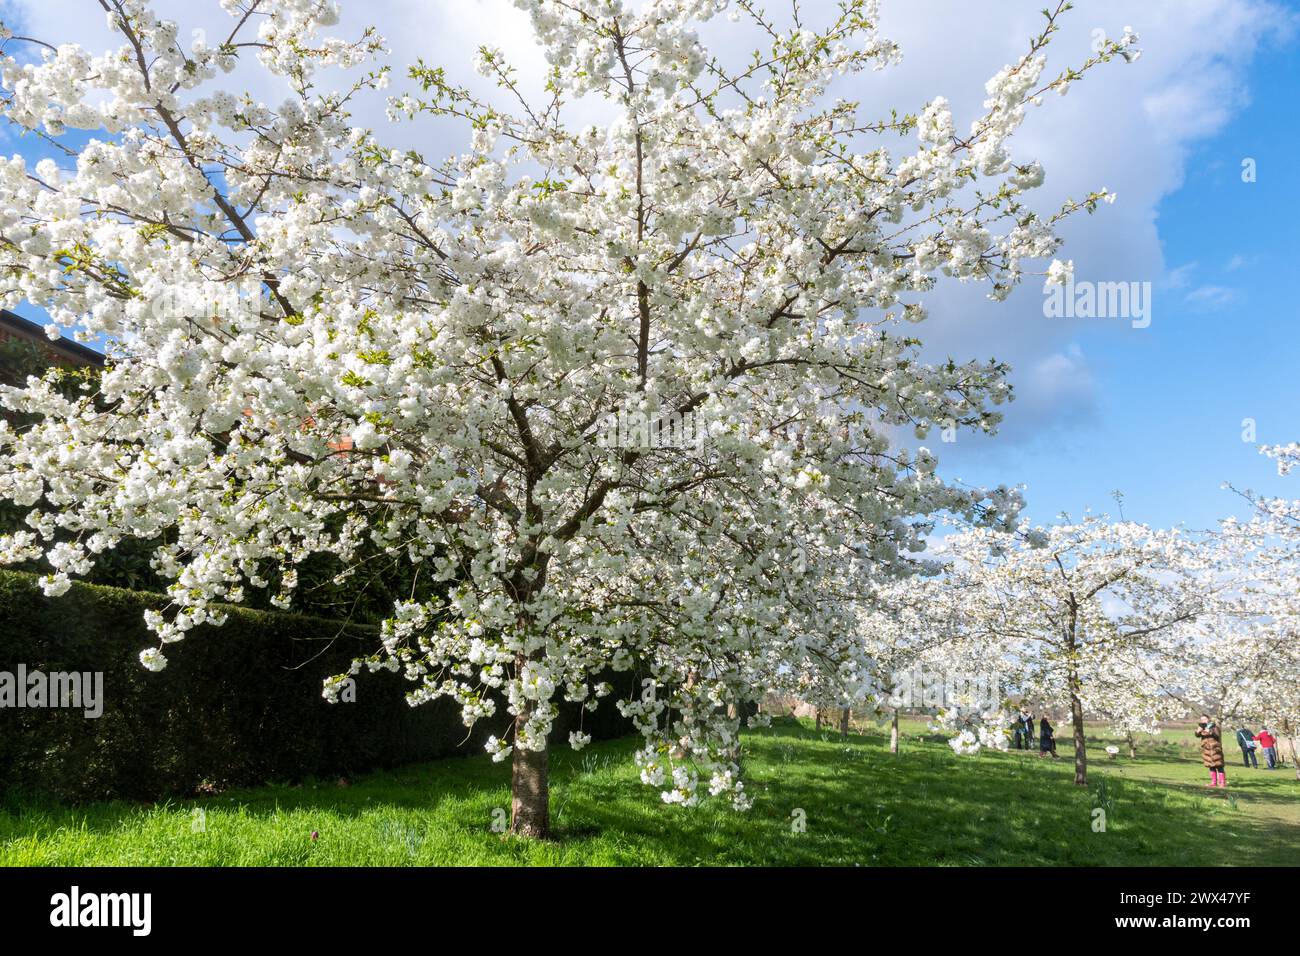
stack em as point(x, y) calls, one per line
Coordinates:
point(862, 805)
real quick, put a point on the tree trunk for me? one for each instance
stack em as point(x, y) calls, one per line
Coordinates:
point(818, 712)
point(739, 713)
point(844, 723)
point(893, 733)
point(530, 804)
point(1080, 751)
point(1291, 745)
point(1132, 746)
point(530, 782)
point(1076, 705)
point(736, 712)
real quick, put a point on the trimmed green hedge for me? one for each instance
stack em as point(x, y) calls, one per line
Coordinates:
point(236, 705)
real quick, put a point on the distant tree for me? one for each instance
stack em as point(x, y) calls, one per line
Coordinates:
point(1092, 613)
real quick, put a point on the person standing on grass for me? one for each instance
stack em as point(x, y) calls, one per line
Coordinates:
point(1246, 740)
point(1029, 730)
point(1046, 738)
point(1212, 750)
point(1018, 731)
point(1268, 742)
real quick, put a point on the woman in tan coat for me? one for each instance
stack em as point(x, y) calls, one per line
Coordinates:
point(1212, 750)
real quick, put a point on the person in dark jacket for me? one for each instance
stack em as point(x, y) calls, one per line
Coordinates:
point(1212, 750)
point(1046, 738)
point(1018, 731)
point(1246, 741)
point(1029, 730)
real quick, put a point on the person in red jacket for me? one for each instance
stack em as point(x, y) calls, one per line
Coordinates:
point(1268, 743)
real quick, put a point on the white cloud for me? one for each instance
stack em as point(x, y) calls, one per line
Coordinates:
point(1180, 277)
point(1211, 298)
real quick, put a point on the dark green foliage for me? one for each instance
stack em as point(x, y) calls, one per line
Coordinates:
point(237, 705)
point(19, 359)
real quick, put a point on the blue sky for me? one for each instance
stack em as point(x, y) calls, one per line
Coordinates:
point(1155, 412)
point(1165, 425)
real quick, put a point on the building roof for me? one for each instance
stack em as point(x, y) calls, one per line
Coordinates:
point(69, 350)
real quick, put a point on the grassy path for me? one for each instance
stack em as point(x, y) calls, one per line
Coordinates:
point(861, 806)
